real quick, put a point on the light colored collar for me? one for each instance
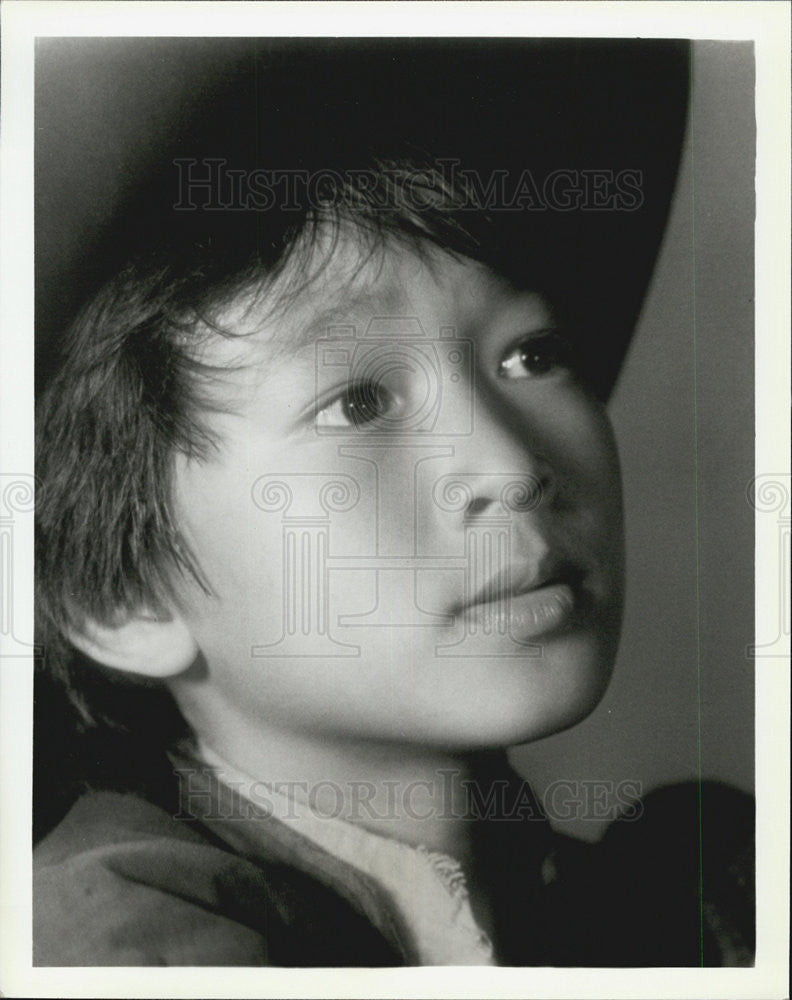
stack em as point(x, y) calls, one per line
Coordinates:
point(426, 889)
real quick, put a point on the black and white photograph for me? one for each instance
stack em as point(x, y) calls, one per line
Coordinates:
point(399, 489)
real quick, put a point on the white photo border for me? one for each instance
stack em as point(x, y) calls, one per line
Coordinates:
point(767, 24)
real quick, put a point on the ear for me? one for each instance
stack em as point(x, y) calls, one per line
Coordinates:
point(142, 643)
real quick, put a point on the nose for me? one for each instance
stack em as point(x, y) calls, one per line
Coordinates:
point(502, 467)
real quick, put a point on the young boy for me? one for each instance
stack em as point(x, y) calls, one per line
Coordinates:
point(330, 517)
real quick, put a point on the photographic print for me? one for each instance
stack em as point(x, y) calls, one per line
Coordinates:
point(396, 502)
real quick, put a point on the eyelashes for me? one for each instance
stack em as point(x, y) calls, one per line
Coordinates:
point(361, 404)
point(371, 404)
point(539, 355)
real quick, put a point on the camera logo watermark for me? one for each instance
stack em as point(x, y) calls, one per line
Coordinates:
point(398, 349)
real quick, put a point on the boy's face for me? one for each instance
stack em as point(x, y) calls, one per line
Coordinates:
point(412, 526)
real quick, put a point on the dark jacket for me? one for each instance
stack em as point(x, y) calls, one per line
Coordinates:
point(123, 881)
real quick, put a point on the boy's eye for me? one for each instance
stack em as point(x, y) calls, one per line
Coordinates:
point(361, 404)
point(540, 354)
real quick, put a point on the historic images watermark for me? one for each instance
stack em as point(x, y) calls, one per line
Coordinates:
point(449, 796)
point(213, 184)
point(17, 492)
point(770, 495)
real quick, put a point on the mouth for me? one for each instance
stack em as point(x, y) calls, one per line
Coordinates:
point(525, 604)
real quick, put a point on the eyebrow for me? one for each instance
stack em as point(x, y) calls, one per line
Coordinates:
point(353, 310)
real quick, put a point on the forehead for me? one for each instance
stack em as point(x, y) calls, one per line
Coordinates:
point(346, 283)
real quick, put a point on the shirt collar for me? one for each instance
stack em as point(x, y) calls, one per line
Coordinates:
point(415, 897)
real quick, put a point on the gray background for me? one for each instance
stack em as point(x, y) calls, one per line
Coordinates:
point(681, 702)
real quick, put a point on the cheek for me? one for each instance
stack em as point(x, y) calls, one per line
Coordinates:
point(231, 538)
point(589, 497)
point(586, 456)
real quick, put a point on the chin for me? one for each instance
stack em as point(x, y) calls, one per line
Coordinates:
point(499, 705)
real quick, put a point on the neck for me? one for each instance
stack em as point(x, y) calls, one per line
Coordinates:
point(421, 796)
point(418, 795)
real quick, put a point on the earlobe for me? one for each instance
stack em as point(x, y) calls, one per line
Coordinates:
point(142, 643)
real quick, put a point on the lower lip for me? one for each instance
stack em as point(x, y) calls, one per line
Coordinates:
point(524, 616)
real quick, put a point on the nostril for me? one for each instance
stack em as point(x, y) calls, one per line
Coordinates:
point(477, 506)
point(516, 494)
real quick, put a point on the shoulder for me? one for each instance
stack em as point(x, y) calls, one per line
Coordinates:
point(671, 884)
point(121, 882)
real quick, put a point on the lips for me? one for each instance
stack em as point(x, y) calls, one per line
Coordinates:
point(516, 581)
point(525, 602)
